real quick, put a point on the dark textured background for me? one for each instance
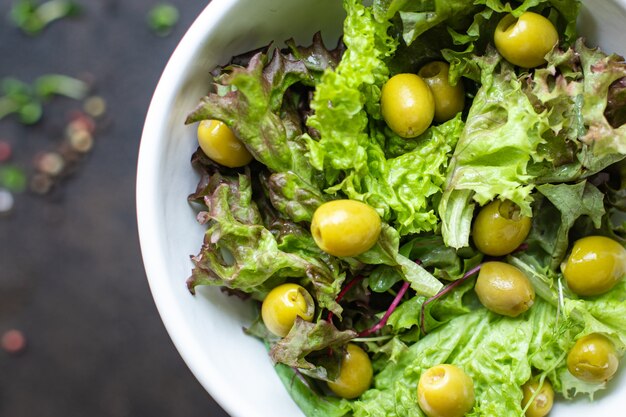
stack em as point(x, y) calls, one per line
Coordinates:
point(71, 276)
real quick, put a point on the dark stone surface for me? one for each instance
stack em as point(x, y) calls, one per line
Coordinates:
point(71, 276)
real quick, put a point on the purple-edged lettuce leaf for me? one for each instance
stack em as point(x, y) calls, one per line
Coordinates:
point(306, 338)
point(252, 250)
point(575, 90)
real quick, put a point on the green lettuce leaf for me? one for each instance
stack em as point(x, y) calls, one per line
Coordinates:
point(406, 187)
point(396, 265)
point(490, 160)
point(573, 318)
point(351, 148)
point(340, 99)
point(571, 201)
point(312, 403)
point(492, 350)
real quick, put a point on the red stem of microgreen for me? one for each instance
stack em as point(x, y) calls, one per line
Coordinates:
point(445, 290)
point(342, 293)
point(392, 307)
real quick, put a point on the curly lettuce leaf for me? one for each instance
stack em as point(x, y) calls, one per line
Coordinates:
point(248, 248)
point(490, 160)
point(290, 195)
point(340, 99)
point(252, 107)
point(351, 149)
point(305, 338)
point(580, 90)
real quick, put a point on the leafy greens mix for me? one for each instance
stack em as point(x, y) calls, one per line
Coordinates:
point(551, 140)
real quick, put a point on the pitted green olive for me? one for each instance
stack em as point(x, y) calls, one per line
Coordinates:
point(283, 304)
point(219, 143)
point(499, 228)
point(594, 266)
point(355, 374)
point(593, 358)
point(542, 402)
point(407, 105)
point(449, 99)
point(526, 40)
point(445, 391)
point(504, 289)
point(345, 227)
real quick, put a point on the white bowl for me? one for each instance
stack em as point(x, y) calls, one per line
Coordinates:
point(207, 328)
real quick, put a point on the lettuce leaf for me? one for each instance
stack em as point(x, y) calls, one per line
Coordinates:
point(351, 149)
point(572, 201)
point(306, 338)
point(575, 89)
point(490, 160)
point(574, 317)
point(312, 403)
point(247, 247)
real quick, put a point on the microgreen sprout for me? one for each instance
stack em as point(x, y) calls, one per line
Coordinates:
point(26, 101)
point(32, 17)
point(162, 18)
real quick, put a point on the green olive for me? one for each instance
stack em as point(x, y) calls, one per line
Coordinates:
point(499, 228)
point(593, 358)
point(595, 265)
point(345, 227)
point(526, 40)
point(449, 99)
point(407, 105)
point(355, 374)
point(543, 399)
point(283, 304)
point(504, 289)
point(219, 143)
point(445, 391)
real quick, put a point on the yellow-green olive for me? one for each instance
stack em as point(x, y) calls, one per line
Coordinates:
point(345, 227)
point(407, 105)
point(355, 374)
point(449, 99)
point(283, 304)
point(499, 228)
point(593, 358)
point(540, 399)
point(504, 289)
point(219, 143)
point(445, 391)
point(594, 266)
point(526, 40)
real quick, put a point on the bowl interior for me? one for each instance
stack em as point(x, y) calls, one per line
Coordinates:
point(207, 328)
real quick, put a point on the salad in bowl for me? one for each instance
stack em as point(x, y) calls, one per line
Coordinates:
point(425, 218)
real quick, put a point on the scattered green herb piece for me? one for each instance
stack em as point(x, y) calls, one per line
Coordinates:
point(26, 101)
point(32, 17)
point(162, 18)
point(12, 178)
